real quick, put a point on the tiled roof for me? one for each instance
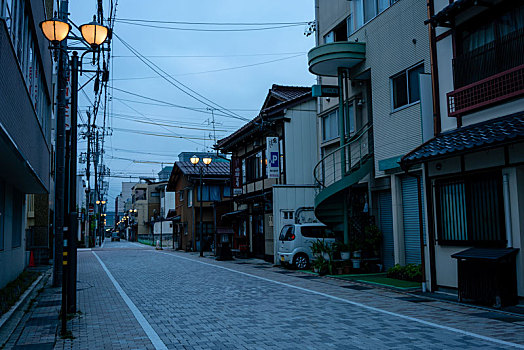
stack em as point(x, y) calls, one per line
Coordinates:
point(213, 169)
point(467, 139)
point(286, 94)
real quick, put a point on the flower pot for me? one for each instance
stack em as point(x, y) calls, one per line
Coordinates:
point(356, 254)
point(344, 255)
point(325, 256)
point(356, 263)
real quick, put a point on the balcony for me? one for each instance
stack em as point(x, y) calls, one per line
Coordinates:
point(326, 59)
point(488, 75)
point(495, 89)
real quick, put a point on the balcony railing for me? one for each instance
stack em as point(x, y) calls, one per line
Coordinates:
point(358, 149)
point(491, 59)
point(495, 89)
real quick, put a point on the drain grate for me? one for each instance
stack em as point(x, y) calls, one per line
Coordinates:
point(415, 299)
point(356, 287)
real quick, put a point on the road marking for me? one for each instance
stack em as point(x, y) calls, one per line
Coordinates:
point(354, 303)
point(153, 336)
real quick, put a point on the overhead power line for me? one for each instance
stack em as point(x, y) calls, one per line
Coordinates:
point(160, 135)
point(179, 85)
point(211, 23)
point(211, 30)
point(215, 56)
point(167, 125)
point(218, 70)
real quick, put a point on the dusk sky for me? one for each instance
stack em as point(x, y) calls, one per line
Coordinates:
point(209, 62)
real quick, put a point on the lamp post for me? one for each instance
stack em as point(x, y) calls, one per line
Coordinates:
point(195, 160)
point(57, 30)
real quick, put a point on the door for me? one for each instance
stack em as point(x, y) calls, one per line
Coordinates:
point(386, 226)
point(410, 213)
point(258, 236)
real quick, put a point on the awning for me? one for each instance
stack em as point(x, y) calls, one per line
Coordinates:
point(233, 214)
point(447, 16)
point(492, 254)
point(476, 137)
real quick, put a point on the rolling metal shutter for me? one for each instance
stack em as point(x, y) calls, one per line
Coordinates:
point(386, 226)
point(411, 219)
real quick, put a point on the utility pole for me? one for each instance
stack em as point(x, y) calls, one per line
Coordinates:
point(61, 241)
point(73, 214)
point(88, 176)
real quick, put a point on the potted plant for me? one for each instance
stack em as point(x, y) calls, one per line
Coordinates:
point(316, 249)
point(326, 250)
point(344, 251)
point(373, 240)
point(318, 264)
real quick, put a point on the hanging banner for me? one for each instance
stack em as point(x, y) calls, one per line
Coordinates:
point(273, 158)
point(236, 173)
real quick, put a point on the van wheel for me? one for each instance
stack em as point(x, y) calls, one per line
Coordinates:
point(301, 261)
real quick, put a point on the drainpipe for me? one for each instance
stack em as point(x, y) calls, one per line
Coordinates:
point(434, 69)
point(341, 81)
point(507, 210)
point(421, 228)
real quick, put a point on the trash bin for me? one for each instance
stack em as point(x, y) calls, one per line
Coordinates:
point(223, 244)
point(487, 276)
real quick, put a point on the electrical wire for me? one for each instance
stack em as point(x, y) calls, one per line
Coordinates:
point(214, 56)
point(218, 70)
point(211, 23)
point(210, 30)
point(179, 85)
point(167, 125)
point(160, 135)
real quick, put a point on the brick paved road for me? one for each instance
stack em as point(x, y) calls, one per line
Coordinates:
point(198, 303)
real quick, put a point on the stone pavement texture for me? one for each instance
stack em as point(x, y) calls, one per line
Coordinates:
point(199, 303)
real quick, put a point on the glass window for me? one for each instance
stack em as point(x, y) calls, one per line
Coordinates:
point(316, 232)
point(227, 191)
point(329, 37)
point(210, 193)
point(358, 16)
point(155, 194)
point(287, 233)
point(140, 194)
point(470, 210)
point(405, 87)
point(2, 213)
point(350, 122)
point(370, 9)
point(190, 198)
point(330, 126)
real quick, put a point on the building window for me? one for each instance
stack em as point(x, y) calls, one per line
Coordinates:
point(253, 167)
point(210, 193)
point(330, 126)
point(181, 196)
point(227, 191)
point(329, 37)
point(470, 210)
point(189, 198)
point(140, 195)
point(155, 194)
point(349, 124)
point(405, 87)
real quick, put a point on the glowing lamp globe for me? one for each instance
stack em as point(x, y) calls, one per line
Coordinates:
point(55, 30)
point(93, 33)
point(207, 161)
point(194, 160)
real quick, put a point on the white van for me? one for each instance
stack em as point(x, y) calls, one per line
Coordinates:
point(295, 243)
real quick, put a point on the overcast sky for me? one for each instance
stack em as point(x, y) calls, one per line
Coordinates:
point(240, 90)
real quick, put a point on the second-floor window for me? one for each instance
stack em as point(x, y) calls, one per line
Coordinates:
point(405, 87)
point(254, 167)
point(210, 193)
point(330, 126)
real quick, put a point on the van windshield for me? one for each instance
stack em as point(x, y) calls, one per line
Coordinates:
point(317, 232)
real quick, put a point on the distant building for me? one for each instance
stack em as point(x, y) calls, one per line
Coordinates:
point(163, 175)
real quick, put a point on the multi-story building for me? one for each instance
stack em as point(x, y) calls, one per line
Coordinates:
point(375, 53)
point(473, 168)
point(272, 160)
point(184, 183)
point(25, 124)
point(140, 218)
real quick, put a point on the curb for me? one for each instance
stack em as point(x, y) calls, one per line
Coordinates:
point(10, 320)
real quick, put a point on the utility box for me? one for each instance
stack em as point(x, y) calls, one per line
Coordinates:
point(223, 244)
point(487, 276)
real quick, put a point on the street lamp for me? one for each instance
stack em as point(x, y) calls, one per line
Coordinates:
point(194, 160)
point(55, 30)
point(93, 33)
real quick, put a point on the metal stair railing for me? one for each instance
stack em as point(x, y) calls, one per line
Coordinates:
point(354, 153)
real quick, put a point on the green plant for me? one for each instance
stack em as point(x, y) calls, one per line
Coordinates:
point(410, 272)
point(373, 238)
point(316, 247)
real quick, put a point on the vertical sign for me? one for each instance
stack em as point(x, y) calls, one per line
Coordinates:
point(68, 101)
point(273, 158)
point(236, 172)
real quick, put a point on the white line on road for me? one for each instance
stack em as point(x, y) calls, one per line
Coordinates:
point(153, 336)
point(414, 319)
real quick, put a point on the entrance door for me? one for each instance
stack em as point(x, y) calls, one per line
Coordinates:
point(386, 226)
point(258, 236)
point(411, 219)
